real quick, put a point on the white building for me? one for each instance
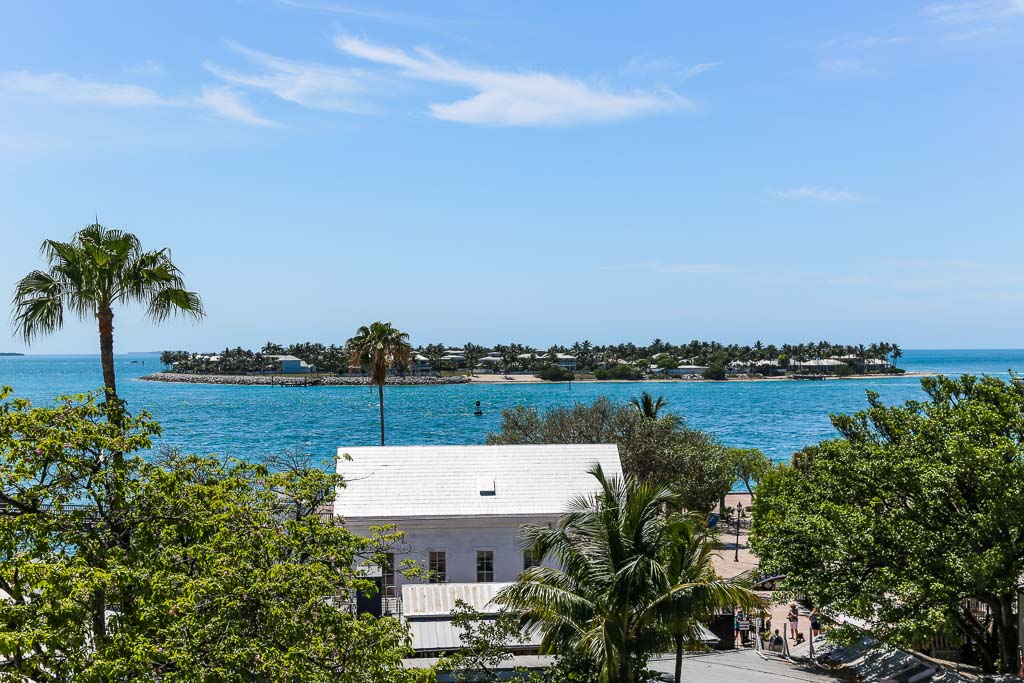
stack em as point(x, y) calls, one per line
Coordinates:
point(462, 507)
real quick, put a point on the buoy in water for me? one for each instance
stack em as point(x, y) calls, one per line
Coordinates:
point(479, 410)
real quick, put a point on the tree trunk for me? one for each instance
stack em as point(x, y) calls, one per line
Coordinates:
point(679, 658)
point(380, 390)
point(1007, 633)
point(105, 317)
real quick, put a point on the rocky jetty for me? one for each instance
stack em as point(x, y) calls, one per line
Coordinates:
point(265, 380)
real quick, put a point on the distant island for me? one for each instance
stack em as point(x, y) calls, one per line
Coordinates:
point(311, 363)
point(10, 353)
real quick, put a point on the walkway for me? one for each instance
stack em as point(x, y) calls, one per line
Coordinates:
point(738, 666)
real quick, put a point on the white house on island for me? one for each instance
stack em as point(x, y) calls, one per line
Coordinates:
point(462, 507)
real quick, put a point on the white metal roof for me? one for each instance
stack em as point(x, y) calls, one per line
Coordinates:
point(438, 599)
point(389, 483)
point(431, 635)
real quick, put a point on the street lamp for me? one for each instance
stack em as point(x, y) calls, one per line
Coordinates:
point(739, 514)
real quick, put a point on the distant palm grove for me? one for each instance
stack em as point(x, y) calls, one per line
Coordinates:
point(613, 361)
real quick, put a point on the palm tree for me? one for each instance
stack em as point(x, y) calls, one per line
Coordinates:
point(377, 348)
point(97, 270)
point(648, 405)
point(693, 591)
point(603, 598)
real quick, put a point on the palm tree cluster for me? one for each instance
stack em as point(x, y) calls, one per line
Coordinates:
point(632, 577)
point(96, 271)
point(591, 357)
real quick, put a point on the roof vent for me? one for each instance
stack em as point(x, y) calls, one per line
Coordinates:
point(485, 485)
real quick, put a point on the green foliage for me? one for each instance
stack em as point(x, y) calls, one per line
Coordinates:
point(486, 643)
point(648, 405)
point(377, 348)
point(662, 450)
point(913, 510)
point(715, 371)
point(88, 277)
point(620, 371)
point(555, 373)
point(843, 370)
point(666, 362)
point(750, 465)
point(631, 576)
point(179, 568)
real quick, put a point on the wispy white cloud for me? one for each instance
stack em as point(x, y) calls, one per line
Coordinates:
point(657, 267)
point(65, 89)
point(845, 66)
point(819, 194)
point(228, 103)
point(515, 98)
point(973, 11)
point(668, 67)
point(316, 86)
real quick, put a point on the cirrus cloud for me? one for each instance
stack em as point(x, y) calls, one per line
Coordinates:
point(512, 98)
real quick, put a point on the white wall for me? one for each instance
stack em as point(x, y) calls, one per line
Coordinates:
point(460, 539)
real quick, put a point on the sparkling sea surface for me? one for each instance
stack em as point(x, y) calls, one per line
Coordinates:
point(777, 417)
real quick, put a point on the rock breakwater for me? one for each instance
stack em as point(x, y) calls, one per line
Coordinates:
point(265, 380)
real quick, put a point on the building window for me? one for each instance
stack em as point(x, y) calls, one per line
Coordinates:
point(484, 566)
point(530, 559)
point(387, 576)
point(438, 567)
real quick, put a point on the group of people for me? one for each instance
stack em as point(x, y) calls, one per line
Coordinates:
point(775, 641)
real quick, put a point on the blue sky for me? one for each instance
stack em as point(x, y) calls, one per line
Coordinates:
point(531, 171)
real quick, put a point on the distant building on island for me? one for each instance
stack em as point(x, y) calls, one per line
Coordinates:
point(290, 365)
point(462, 507)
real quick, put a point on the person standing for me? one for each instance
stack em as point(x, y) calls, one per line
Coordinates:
point(794, 620)
point(815, 624)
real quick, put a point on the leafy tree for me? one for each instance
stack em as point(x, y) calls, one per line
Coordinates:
point(378, 348)
point(486, 644)
point(662, 450)
point(666, 362)
point(912, 511)
point(648, 405)
point(90, 275)
point(230, 572)
point(473, 353)
point(750, 465)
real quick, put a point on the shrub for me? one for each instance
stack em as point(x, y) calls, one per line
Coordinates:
point(843, 370)
point(715, 371)
point(554, 373)
point(621, 371)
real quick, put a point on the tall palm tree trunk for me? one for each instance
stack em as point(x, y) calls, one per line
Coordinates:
point(380, 390)
point(105, 317)
point(679, 658)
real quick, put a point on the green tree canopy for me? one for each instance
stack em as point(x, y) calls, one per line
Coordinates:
point(230, 571)
point(660, 449)
point(911, 512)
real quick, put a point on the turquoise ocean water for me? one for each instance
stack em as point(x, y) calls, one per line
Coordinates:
point(777, 417)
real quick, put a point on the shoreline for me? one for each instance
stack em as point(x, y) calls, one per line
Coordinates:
point(300, 381)
point(530, 379)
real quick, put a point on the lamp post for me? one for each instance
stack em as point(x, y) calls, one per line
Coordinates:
point(739, 514)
